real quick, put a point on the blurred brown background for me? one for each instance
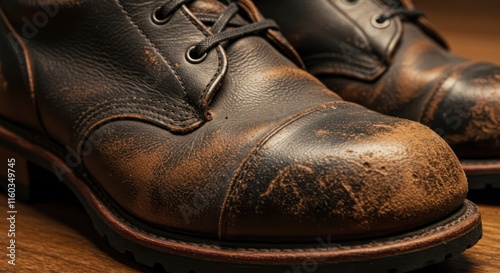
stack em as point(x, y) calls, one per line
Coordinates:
point(471, 27)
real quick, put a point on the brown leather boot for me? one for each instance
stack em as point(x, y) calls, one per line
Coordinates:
point(194, 143)
point(385, 55)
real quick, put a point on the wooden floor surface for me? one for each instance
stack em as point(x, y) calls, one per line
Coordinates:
point(57, 236)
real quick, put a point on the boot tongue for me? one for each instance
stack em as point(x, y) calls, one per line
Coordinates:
point(393, 4)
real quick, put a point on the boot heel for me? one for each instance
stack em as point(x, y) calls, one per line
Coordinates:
point(31, 182)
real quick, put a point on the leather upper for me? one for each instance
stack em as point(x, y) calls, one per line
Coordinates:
point(400, 68)
point(242, 146)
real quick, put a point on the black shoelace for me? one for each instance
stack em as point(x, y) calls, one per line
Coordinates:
point(219, 25)
point(407, 14)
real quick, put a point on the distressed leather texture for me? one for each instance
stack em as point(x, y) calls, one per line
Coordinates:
point(403, 69)
point(243, 146)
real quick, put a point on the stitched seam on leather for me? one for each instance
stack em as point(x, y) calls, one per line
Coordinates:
point(155, 120)
point(154, 46)
point(153, 117)
point(104, 109)
point(84, 115)
point(118, 107)
point(160, 114)
point(92, 108)
point(219, 67)
point(87, 114)
point(438, 88)
point(245, 165)
point(341, 60)
point(157, 116)
point(349, 67)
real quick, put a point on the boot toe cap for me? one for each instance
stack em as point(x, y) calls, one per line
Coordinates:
point(345, 172)
point(466, 111)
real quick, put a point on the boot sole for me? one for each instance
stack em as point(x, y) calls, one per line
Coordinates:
point(482, 174)
point(178, 253)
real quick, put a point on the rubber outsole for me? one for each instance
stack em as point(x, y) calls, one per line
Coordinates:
point(482, 174)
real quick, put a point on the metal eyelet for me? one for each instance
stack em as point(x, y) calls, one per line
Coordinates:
point(159, 21)
point(375, 22)
point(191, 59)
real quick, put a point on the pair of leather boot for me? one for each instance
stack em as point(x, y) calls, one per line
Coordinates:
point(195, 140)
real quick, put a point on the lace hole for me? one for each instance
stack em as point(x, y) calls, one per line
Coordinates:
point(193, 59)
point(379, 22)
point(157, 18)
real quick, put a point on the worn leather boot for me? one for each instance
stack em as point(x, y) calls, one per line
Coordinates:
point(385, 55)
point(194, 142)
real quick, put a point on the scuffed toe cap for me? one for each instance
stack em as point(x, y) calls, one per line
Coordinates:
point(344, 172)
point(466, 111)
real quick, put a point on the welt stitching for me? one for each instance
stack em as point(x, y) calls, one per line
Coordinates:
point(154, 46)
point(234, 190)
point(434, 230)
point(292, 250)
point(95, 108)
